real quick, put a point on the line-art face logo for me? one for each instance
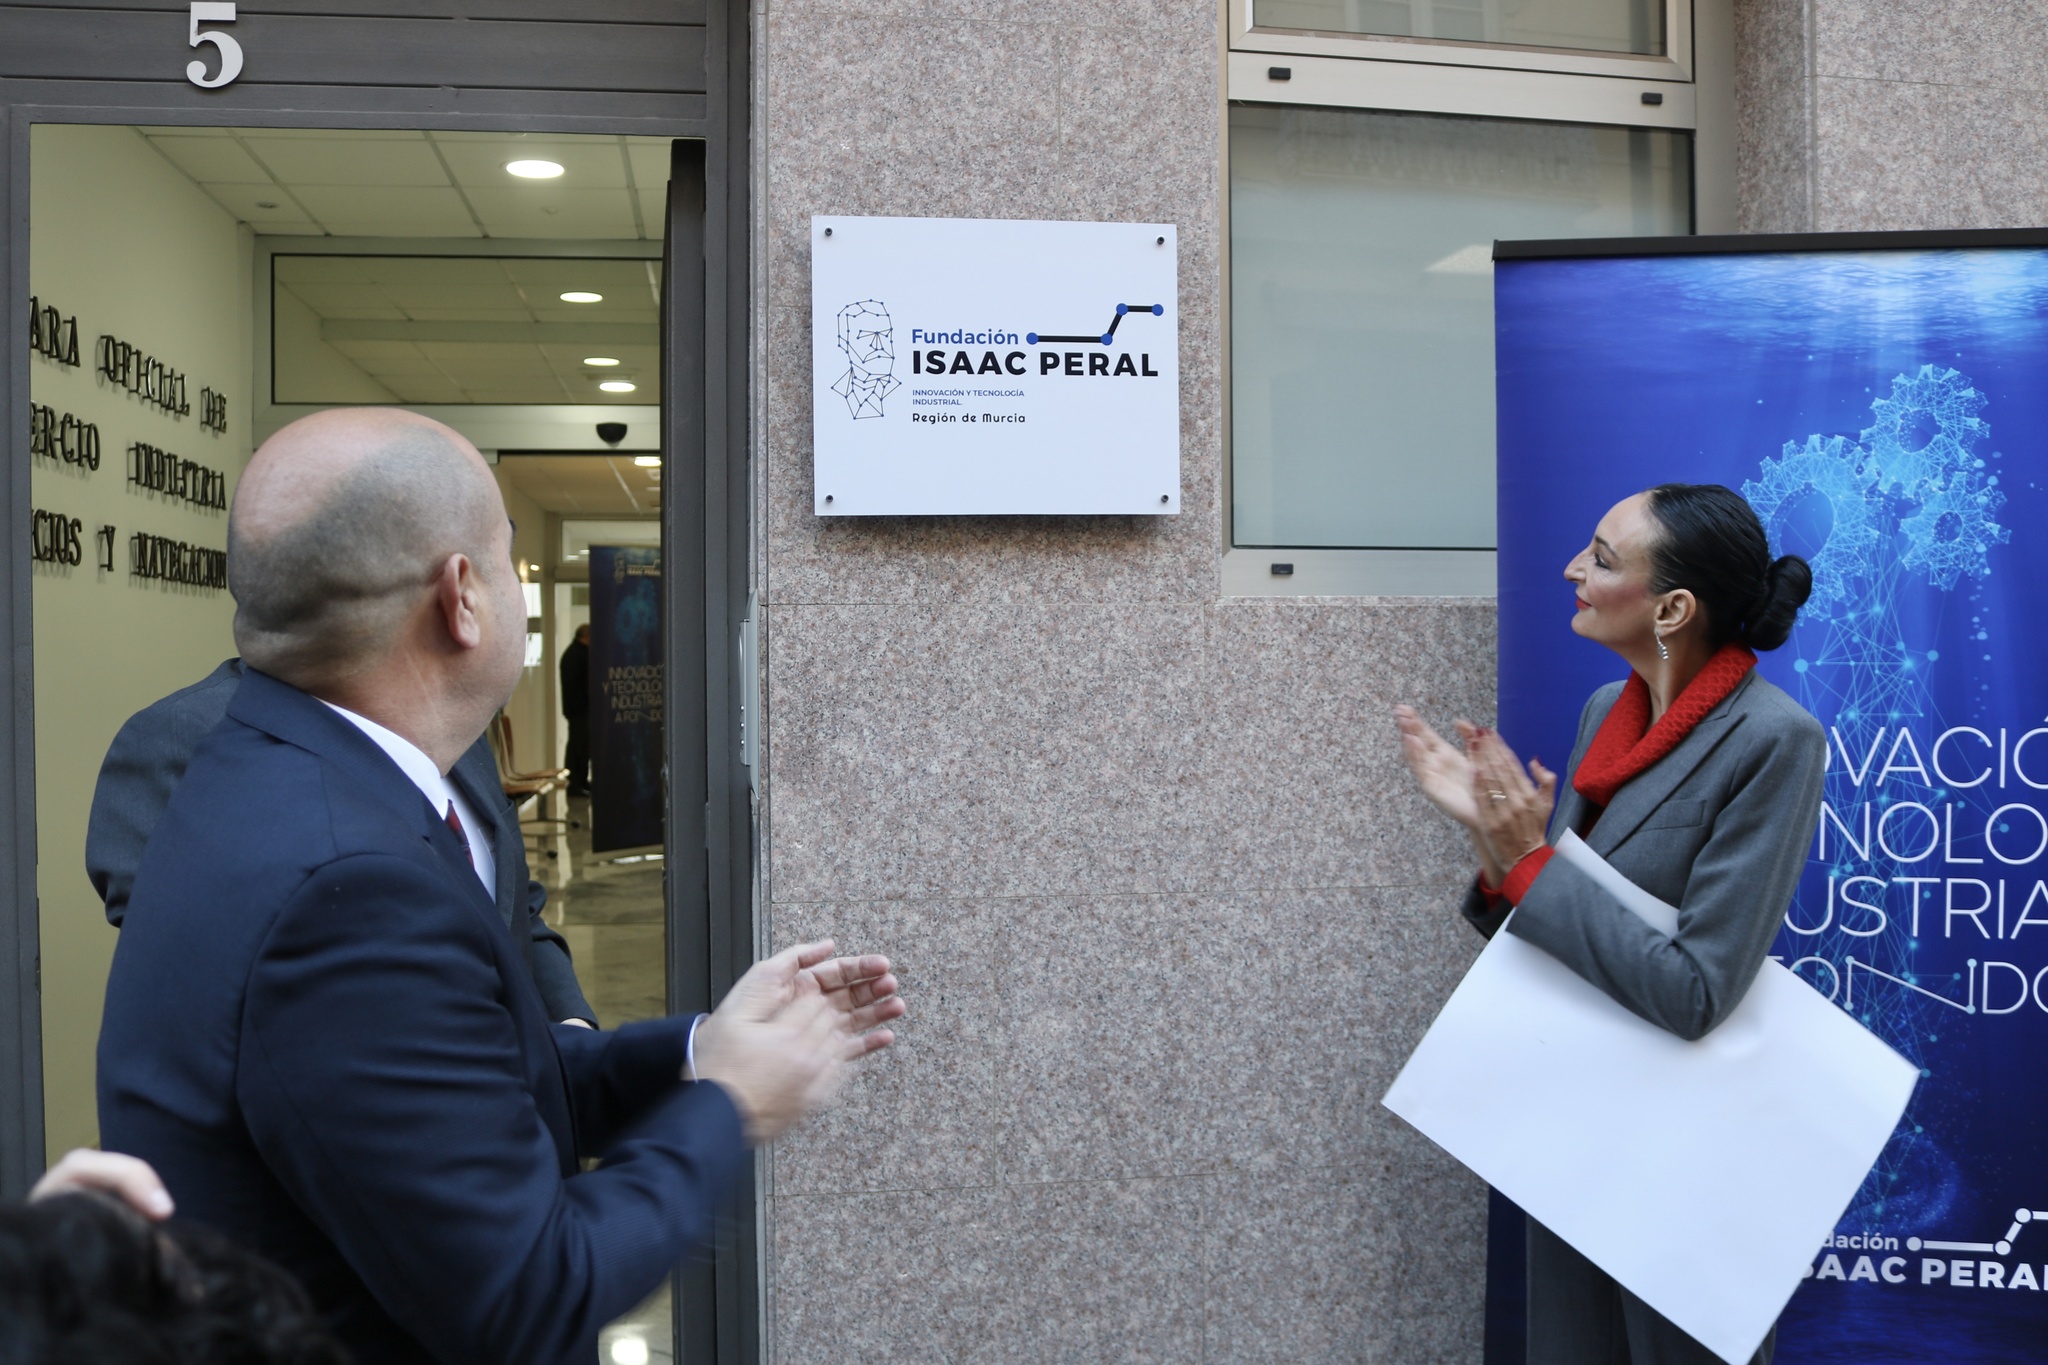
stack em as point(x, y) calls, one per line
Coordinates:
point(866, 338)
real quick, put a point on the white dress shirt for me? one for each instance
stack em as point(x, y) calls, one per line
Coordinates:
point(438, 790)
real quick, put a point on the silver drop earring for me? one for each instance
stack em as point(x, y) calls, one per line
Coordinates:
point(1662, 652)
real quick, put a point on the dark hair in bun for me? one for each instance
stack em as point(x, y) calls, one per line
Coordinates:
point(1711, 543)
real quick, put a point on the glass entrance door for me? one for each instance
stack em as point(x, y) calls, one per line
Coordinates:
point(197, 288)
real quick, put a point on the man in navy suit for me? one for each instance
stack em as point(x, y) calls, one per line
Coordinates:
point(318, 1027)
point(155, 745)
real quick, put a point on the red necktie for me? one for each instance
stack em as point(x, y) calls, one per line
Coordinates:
point(455, 823)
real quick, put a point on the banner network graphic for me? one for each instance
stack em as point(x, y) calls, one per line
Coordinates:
point(1882, 412)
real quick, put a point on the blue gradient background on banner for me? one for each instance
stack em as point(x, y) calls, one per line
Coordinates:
point(625, 697)
point(1887, 410)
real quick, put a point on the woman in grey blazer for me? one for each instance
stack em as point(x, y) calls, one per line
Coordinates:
point(1695, 778)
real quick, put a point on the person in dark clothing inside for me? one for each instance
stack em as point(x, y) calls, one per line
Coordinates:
point(576, 710)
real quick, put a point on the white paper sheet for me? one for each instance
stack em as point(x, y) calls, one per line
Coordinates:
point(1702, 1176)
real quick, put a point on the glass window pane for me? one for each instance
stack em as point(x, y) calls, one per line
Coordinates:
point(1634, 26)
point(1361, 295)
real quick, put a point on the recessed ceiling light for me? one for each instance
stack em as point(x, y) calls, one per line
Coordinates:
point(600, 360)
point(618, 386)
point(534, 170)
point(582, 296)
point(648, 461)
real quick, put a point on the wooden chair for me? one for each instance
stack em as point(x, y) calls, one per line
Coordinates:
point(508, 760)
point(546, 831)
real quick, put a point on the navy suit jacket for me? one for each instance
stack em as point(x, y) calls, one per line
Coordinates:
point(320, 1032)
point(153, 748)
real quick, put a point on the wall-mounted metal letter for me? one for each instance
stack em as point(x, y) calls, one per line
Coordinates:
point(52, 334)
point(62, 437)
point(213, 410)
point(160, 471)
point(143, 375)
point(105, 537)
point(230, 50)
point(53, 538)
point(174, 561)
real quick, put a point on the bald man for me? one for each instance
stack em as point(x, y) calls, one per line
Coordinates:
point(318, 1028)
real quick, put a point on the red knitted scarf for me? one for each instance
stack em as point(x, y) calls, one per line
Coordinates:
point(1627, 745)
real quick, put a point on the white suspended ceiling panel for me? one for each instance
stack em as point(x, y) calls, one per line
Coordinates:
point(470, 329)
point(329, 182)
point(589, 486)
point(513, 427)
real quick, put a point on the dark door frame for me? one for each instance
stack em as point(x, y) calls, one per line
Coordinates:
point(73, 61)
point(705, 535)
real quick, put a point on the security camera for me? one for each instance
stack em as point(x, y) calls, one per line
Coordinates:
point(611, 433)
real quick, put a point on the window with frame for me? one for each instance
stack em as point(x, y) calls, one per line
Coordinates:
point(1632, 26)
point(1365, 191)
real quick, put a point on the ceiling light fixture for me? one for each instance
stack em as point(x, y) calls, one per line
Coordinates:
point(582, 296)
point(618, 386)
point(534, 170)
point(600, 360)
point(648, 461)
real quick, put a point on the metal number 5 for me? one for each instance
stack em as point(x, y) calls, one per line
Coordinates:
point(204, 12)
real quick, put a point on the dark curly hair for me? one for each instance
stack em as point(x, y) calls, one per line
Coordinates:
point(85, 1281)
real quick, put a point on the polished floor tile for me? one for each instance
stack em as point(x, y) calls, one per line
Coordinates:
point(610, 914)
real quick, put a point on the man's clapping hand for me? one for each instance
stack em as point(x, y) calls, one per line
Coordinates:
point(780, 1041)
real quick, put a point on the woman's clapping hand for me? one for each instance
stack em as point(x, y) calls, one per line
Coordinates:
point(1441, 769)
point(1480, 784)
point(1514, 807)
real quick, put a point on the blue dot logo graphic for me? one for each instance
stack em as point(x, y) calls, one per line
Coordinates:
point(1123, 310)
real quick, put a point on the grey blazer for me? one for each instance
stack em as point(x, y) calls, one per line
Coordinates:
point(150, 754)
point(1720, 828)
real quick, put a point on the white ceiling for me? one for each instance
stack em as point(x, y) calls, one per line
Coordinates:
point(602, 485)
point(447, 329)
point(359, 183)
point(475, 329)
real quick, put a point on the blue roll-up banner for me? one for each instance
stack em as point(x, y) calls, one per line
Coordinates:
point(1883, 404)
point(625, 697)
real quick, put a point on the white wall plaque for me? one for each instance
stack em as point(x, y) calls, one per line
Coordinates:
point(963, 366)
